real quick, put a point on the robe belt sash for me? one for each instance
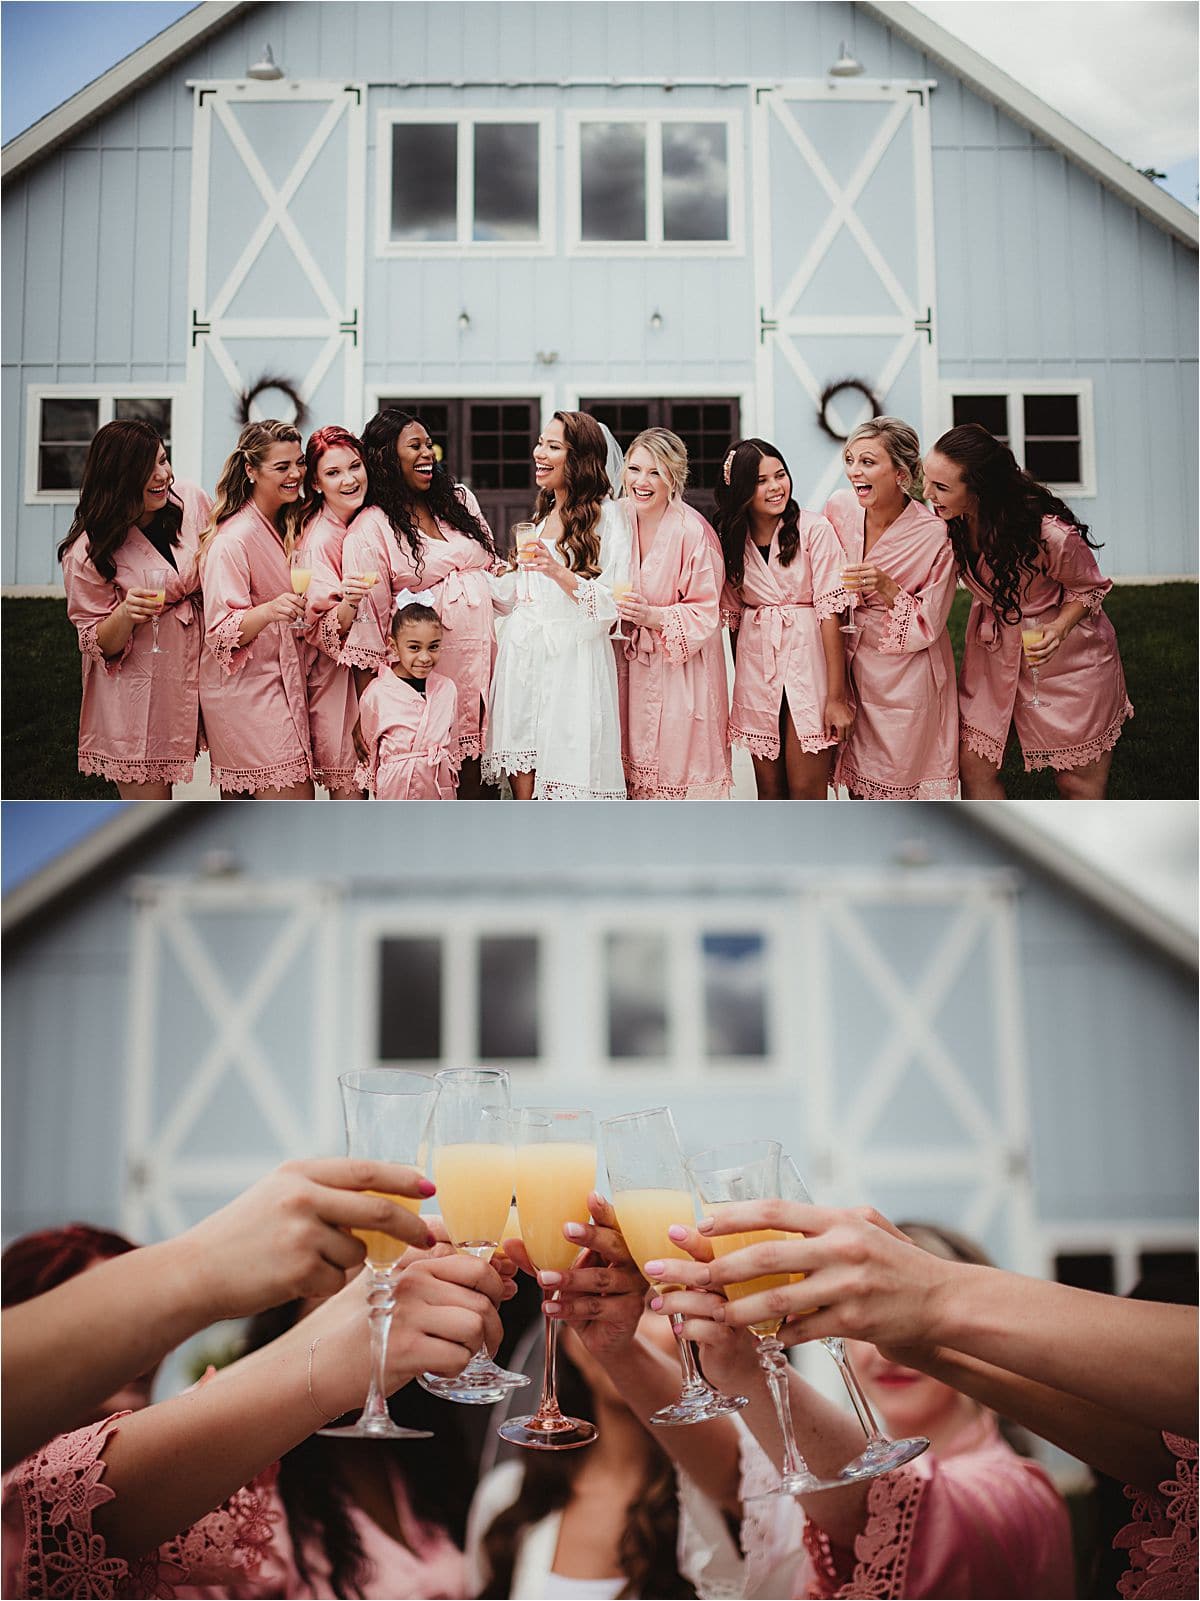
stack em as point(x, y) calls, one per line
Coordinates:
point(772, 621)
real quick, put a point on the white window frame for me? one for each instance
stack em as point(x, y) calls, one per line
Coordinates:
point(1014, 389)
point(454, 389)
point(464, 245)
point(107, 395)
point(654, 244)
point(744, 394)
point(1124, 1242)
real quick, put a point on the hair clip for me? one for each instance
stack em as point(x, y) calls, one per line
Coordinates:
point(412, 597)
point(725, 470)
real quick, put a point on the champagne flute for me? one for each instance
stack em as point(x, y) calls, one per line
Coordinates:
point(301, 564)
point(1032, 633)
point(556, 1172)
point(157, 578)
point(526, 538)
point(850, 626)
point(650, 1191)
point(750, 1172)
point(621, 592)
point(881, 1454)
point(387, 1112)
point(473, 1166)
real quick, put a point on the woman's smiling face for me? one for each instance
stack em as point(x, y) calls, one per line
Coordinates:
point(646, 482)
point(414, 450)
point(874, 476)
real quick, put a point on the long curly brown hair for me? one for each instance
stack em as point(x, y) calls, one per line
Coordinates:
point(648, 1541)
point(1011, 508)
point(587, 489)
point(387, 489)
point(120, 461)
point(731, 518)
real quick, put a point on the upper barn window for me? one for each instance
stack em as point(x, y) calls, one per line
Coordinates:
point(1045, 422)
point(63, 420)
point(479, 183)
point(654, 182)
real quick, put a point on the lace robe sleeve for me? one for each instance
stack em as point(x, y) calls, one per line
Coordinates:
point(1161, 1539)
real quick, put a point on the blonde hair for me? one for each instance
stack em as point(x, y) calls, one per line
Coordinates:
point(234, 488)
point(903, 447)
point(669, 451)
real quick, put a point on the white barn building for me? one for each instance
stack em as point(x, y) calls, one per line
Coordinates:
point(933, 1008)
point(673, 212)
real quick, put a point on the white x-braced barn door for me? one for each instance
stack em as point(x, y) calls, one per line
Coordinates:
point(844, 265)
point(233, 1018)
point(275, 280)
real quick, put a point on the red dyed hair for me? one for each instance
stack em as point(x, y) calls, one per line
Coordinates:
point(39, 1262)
point(328, 438)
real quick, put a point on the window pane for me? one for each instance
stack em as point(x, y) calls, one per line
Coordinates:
point(501, 445)
point(1169, 1275)
point(695, 181)
point(156, 412)
point(1053, 461)
point(1086, 1270)
point(990, 410)
point(410, 1000)
point(424, 181)
point(735, 1012)
point(61, 466)
point(508, 997)
point(74, 421)
point(636, 966)
point(506, 180)
point(1052, 414)
point(612, 159)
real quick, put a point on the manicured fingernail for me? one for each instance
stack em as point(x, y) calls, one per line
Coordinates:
point(677, 1232)
point(706, 1225)
point(655, 1270)
point(656, 1303)
point(718, 1314)
point(427, 1187)
point(574, 1231)
point(549, 1279)
point(552, 1308)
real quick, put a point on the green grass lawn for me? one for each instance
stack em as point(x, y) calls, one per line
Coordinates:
point(1155, 758)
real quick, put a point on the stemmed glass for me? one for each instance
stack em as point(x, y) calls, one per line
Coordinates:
point(650, 1191)
point(1032, 633)
point(387, 1112)
point(881, 1454)
point(850, 626)
point(750, 1172)
point(474, 1166)
point(525, 536)
point(556, 1172)
point(157, 578)
point(301, 564)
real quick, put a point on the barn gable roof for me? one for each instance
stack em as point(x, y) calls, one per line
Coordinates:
point(104, 854)
point(986, 79)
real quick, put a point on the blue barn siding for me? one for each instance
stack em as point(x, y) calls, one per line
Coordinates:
point(1041, 271)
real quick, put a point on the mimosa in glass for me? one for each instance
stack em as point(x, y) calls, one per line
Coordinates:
point(301, 565)
point(1033, 632)
point(157, 578)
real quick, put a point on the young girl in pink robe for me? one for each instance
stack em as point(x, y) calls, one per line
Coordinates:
point(253, 669)
point(1029, 565)
point(420, 530)
point(407, 716)
point(781, 602)
point(337, 481)
point(900, 564)
point(671, 682)
point(139, 721)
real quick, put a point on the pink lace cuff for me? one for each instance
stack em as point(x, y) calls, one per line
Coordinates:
point(882, 1551)
point(900, 616)
point(831, 603)
point(223, 642)
point(1162, 1538)
point(731, 618)
point(329, 635)
point(674, 640)
point(587, 598)
point(89, 646)
point(1093, 598)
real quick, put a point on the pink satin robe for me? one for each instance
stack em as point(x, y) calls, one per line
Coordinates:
point(1083, 696)
point(671, 683)
point(139, 721)
point(777, 617)
point(455, 570)
point(332, 698)
point(904, 742)
point(410, 738)
point(254, 697)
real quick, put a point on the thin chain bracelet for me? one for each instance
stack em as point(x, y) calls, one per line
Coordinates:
point(312, 1348)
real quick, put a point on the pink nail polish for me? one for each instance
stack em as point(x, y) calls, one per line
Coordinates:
point(574, 1231)
point(677, 1232)
point(656, 1303)
point(655, 1270)
point(427, 1187)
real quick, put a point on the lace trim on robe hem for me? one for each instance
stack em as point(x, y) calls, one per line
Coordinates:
point(555, 790)
point(1093, 599)
point(897, 619)
point(1079, 755)
point(118, 770)
point(674, 641)
point(498, 762)
point(337, 777)
point(766, 746)
point(870, 789)
point(992, 750)
point(360, 656)
point(249, 780)
point(1162, 1538)
point(642, 783)
point(883, 1549)
point(469, 747)
point(89, 647)
point(223, 642)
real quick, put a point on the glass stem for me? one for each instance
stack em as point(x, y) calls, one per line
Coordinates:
point(548, 1410)
point(858, 1400)
point(693, 1383)
point(382, 1301)
point(775, 1365)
